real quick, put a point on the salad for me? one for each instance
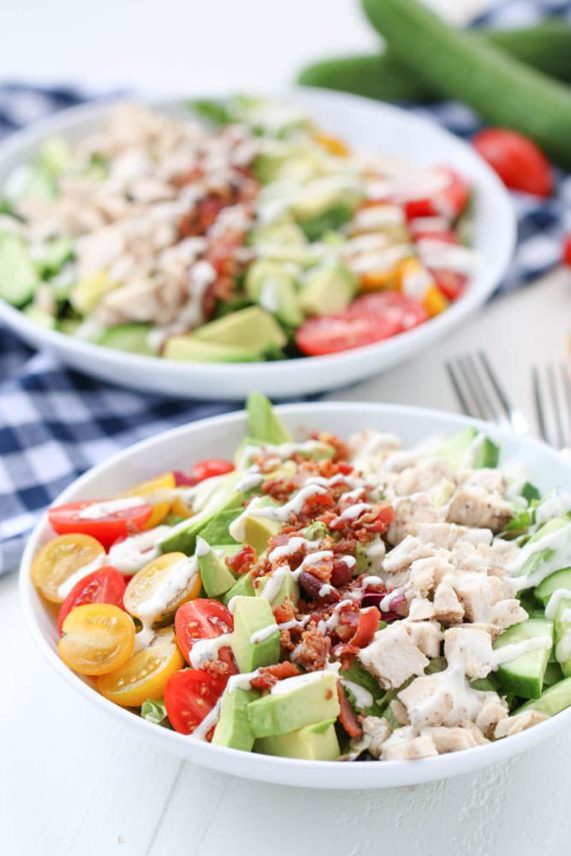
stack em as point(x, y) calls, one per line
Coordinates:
point(323, 599)
point(237, 233)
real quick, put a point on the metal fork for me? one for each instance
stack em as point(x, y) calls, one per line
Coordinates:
point(480, 392)
point(552, 401)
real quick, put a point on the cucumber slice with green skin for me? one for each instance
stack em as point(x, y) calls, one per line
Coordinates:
point(553, 675)
point(552, 701)
point(57, 253)
point(546, 47)
point(39, 317)
point(523, 676)
point(461, 66)
point(18, 276)
point(559, 580)
point(128, 337)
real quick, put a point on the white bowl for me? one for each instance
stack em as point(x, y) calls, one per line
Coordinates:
point(366, 125)
point(220, 436)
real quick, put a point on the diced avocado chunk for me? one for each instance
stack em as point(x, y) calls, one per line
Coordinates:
point(254, 528)
point(182, 538)
point(263, 424)
point(189, 349)
point(558, 580)
point(283, 231)
point(457, 447)
point(55, 156)
point(272, 286)
point(316, 742)
point(215, 574)
point(216, 531)
point(251, 329)
point(243, 587)
point(288, 587)
point(325, 205)
point(256, 636)
point(233, 728)
point(294, 703)
point(552, 701)
point(315, 531)
point(523, 675)
point(133, 338)
point(18, 276)
point(328, 289)
point(88, 292)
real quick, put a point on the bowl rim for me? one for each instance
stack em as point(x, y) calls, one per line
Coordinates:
point(458, 311)
point(289, 771)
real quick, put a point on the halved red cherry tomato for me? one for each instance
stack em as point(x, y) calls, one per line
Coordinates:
point(66, 519)
point(450, 283)
point(400, 310)
point(446, 236)
point(203, 618)
point(447, 201)
point(368, 625)
point(330, 334)
point(520, 164)
point(105, 585)
point(210, 468)
point(567, 251)
point(182, 479)
point(190, 695)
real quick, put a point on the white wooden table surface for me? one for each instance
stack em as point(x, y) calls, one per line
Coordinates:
point(72, 783)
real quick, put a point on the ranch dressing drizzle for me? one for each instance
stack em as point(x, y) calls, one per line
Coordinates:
point(67, 585)
point(518, 649)
point(132, 554)
point(556, 505)
point(175, 580)
point(558, 541)
point(204, 650)
point(99, 510)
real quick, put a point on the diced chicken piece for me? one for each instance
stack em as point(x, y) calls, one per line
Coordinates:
point(507, 612)
point(421, 577)
point(477, 735)
point(490, 480)
point(455, 739)
point(492, 711)
point(427, 636)
point(398, 711)
point(474, 506)
point(410, 513)
point(377, 730)
point(447, 607)
point(403, 745)
point(470, 650)
point(420, 609)
point(447, 534)
point(392, 656)
point(472, 557)
point(517, 723)
point(400, 557)
point(369, 443)
point(427, 474)
point(401, 460)
point(477, 594)
point(443, 698)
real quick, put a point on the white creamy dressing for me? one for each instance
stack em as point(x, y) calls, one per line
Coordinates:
point(208, 722)
point(251, 479)
point(272, 586)
point(324, 626)
point(202, 548)
point(409, 184)
point(556, 504)
point(350, 561)
point(363, 698)
point(439, 255)
point(264, 633)
point(288, 685)
point(378, 217)
point(175, 580)
point(355, 511)
point(554, 602)
point(205, 650)
point(518, 649)
point(269, 295)
point(99, 510)
point(133, 553)
point(558, 541)
point(67, 585)
point(282, 513)
point(311, 560)
point(379, 261)
point(326, 589)
point(295, 543)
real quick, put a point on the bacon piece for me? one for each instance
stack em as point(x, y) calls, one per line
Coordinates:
point(313, 651)
point(347, 716)
point(242, 561)
point(285, 611)
point(270, 675)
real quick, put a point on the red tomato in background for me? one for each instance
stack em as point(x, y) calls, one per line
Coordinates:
point(445, 236)
point(448, 201)
point(450, 283)
point(330, 334)
point(106, 585)
point(567, 251)
point(399, 310)
point(182, 479)
point(210, 468)
point(202, 618)
point(517, 160)
point(65, 519)
point(189, 696)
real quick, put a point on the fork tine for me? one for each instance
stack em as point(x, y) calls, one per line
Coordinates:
point(502, 397)
point(559, 432)
point(489, 405)
point(457, 387)
point(566, 387)
point(468, 374)
point(539, 405)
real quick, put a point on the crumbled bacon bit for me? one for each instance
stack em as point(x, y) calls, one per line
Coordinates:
point(341, 449)
point(313, 651)
point(270, 675)
point(285, 611)
point(347, 716)
point(242, 561)
point(280, 489)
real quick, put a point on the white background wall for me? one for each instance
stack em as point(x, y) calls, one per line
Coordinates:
point(185, 45)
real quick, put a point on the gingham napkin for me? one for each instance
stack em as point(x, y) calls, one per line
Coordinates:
point(55, 423)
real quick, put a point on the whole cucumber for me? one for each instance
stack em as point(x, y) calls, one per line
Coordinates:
point(503, 90)
point(546, 47)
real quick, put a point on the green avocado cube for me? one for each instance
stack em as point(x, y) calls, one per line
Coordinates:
point(272, 286)
point(256, 637)
point(233, 728)
point(313, 743)
point(263, 424)
point(215, 574)
point(251, 329)
point(328, 289)
point(294, 703)
point(187, 348)
point(243, 587)
point(288, 587)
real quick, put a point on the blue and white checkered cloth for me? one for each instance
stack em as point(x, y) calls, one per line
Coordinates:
point(55, 423)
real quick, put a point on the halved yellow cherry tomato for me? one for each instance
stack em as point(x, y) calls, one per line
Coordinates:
point(150, 579)
point(61, 558)
point(416, 281)
point(161, 507)
point(180, 509)
point(97, 638)
point(145, 674)
point(331, 144)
